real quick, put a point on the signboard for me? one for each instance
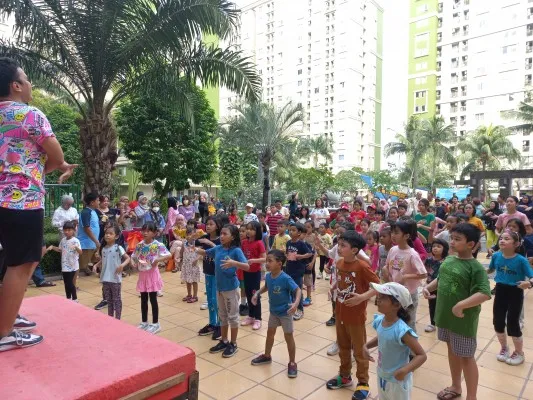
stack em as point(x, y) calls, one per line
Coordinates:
point(448, 193)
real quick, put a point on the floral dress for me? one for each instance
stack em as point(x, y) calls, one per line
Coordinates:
point(190, 270)
point(143, 257)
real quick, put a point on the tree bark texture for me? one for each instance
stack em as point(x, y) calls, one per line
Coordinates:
point(98, 140)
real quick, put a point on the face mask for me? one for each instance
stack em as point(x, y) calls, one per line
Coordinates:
point(155, 209)
point(186, 203)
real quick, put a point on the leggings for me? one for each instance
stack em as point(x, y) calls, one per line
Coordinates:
point(252, 283)
point(212, 304)
point(432, 307)
point(70, 288)
point(323, 263)
point(508, 302)
point(144, 306)
point(112, 296)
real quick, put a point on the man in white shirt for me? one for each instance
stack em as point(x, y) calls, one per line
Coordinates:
point(283, 210)
point(65, 213)
point(249, 216)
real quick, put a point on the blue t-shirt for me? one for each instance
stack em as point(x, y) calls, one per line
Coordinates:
point(509, 271)
point(296, 268)
point(88, 218)
point(280, 293)
point(528, 245)
point(392, 352)
point(226, 278)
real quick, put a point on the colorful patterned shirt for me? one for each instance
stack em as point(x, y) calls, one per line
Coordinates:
point(23, 129)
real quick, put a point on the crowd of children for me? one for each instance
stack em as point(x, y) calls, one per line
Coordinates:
point(383, 253)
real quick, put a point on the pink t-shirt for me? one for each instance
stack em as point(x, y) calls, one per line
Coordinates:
point(504, 218)
point(404, 262)
point(23, 129)
point(373, 253)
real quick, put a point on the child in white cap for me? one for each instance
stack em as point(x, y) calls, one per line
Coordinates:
point(395, 340)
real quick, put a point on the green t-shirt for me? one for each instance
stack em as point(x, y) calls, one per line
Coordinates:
point(459, 279)
point(428, 219)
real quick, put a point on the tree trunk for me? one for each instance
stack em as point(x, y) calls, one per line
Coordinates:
point(266, 183)
point(433, 172)
point(98, 140)
point(485, 191)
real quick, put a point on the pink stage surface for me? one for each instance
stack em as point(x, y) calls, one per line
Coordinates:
point(89, 355)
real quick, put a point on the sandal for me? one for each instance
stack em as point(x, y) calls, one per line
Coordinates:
point(447, 394)
point(187, 298)
point(46, 284)
point(193, 299)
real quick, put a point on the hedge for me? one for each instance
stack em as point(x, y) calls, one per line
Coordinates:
point(51, 262)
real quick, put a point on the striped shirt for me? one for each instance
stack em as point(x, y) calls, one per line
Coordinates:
point(272, 222)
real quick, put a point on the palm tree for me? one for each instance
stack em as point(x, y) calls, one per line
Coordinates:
point(265, 130)
point(99, 52)
point(411, 145)
point(486, 148)
point(438, 135)
point(524, 115)
point(316, 148)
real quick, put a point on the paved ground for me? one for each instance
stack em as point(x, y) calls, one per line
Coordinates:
point(235, 378)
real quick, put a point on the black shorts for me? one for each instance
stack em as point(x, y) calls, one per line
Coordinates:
point(21, 235)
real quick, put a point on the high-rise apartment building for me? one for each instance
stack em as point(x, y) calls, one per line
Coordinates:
point(471, 61)
point(326, 55)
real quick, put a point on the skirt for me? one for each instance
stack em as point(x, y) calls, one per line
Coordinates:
point(149, 281)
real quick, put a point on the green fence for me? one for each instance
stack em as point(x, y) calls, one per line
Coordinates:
point(54, 194)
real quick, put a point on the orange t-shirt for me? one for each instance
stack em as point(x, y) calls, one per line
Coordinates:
point(352, 277)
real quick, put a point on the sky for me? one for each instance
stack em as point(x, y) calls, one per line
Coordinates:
point(395, 63)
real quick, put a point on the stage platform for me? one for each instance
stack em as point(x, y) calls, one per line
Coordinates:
point(88, 355)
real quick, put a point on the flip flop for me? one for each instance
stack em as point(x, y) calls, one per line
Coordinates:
point(447, 394)
point(46, 284)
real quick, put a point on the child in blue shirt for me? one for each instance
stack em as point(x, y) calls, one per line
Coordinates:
point(395, 341)
point(283, 296)
point(228, 258)
point(512, 269)
point(298, 252)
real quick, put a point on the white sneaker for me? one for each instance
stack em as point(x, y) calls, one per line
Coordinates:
point(143, 326)
point(333, 349)
point(319, 275)
point(298, 315)
point(159, 293)
point(204, 306)
point(430, 328)
point(154, 328)
point(19, 340)
point(515, 359)
point(327, 276)
point(504, 355)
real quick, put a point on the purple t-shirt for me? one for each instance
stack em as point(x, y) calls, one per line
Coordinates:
point(23, 129)
point(504, 218)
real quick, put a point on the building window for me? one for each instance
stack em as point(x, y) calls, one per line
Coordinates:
point(341, 157)
point(122, 171)
point(420, 94)
point(480, 117)
point(525, 145)
point(480, 102)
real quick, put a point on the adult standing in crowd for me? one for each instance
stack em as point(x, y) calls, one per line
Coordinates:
point(203, 207)
point(320, 213)
point(88, 233)
point(526, 206)
point(65, 213)
point(28, 152)
point(186, 208)
point(135, 202)
point(172, 214)
point(510, 212)
point(105, 214)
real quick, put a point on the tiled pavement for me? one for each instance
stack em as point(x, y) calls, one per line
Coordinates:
point(235, 378)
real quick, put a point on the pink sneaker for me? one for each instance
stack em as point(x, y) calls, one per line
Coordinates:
point(257, 325)
point(247, 321)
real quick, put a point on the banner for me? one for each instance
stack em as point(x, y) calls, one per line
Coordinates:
point(448, 193)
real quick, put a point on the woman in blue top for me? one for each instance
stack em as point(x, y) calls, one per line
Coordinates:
point(395, 340)
point(228, 257)
point(512, 269)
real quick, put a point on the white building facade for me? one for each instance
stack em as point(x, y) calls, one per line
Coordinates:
point(326, 55)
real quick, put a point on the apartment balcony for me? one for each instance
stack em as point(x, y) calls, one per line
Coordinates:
point(453, 109)
point(440, 7)
point(466, 31)
point(525, 149)
point(528, 80)
point(466, 2)
point(463, 108)
point(464, 93)
point(439, 38)
point(438, 95)
point(528, 66)
point(454, 80)
point(438, 67)
point(439, 23)
point(453, 95)
point(438, 81)
point(530, 30)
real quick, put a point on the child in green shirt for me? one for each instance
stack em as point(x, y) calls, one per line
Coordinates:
point(462, 285)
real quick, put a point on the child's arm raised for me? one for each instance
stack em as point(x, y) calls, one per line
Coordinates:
point(417, 361)
point(54, 248)
point(229, 263)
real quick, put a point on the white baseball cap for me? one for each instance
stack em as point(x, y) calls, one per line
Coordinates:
point(249, 205)
point(399, 292)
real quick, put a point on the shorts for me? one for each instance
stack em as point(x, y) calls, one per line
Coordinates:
point(390, 390)
point(462, 346)
point(308, 279)
point(21, 235)
point(228, 308)
point(285, 322)
point(86, 258)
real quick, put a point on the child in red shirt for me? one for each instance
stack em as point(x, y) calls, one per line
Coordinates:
point(254, 250)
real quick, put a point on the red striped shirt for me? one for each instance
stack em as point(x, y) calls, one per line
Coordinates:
point(272, 222)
